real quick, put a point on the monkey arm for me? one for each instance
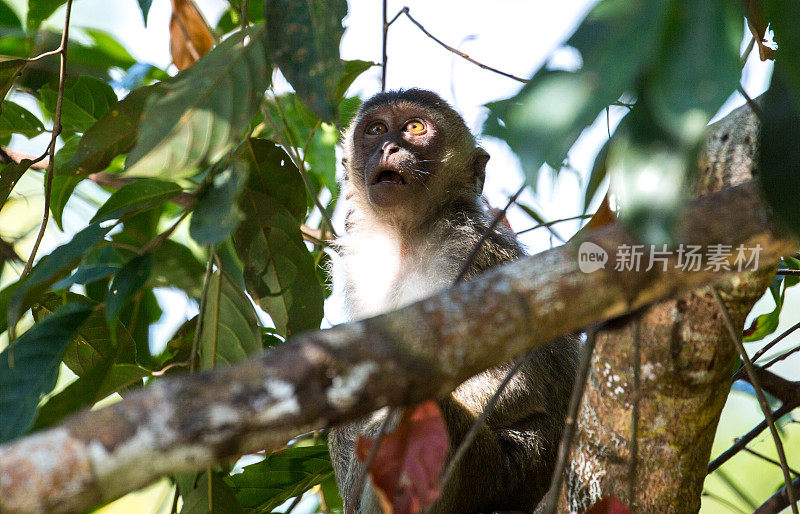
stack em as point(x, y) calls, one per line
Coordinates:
point(512, 463)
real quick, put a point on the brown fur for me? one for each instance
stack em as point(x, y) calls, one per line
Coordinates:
point(422, 232)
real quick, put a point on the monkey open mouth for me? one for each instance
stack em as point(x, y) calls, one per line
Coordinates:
point(389, 176)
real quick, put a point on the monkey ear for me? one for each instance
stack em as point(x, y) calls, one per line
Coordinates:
point(479, 161)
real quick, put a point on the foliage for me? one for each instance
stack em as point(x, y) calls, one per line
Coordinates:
point(212, 176)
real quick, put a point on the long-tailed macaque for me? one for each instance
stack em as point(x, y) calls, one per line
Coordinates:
point(414, 177)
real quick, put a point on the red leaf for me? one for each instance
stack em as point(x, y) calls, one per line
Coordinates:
point(408, 465)
point(608, 505)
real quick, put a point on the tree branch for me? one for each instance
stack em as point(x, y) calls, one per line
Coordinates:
point(327, 377)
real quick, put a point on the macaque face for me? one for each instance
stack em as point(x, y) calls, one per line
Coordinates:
point(397, 153)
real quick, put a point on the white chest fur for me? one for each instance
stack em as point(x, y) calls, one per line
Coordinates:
point(376, 274)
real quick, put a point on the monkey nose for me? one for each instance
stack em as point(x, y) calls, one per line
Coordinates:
point(389, 148)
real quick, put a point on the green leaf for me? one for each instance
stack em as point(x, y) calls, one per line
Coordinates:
point(273, 173)
point(230, 325)
point(176, 266)
point(101, 381)
point(330, 490)
point(782, 18)
point(282, 475)
point(598, 174)
point(52, 268)
point(92, 344)
point(230, 263)
point(779, 150)
point(40, 10)
point(127, 282)
point(204, 110)
point(222, 498)
point(136, 196)
point(698, 68)
point(10, 175)
point(617, 40)
point(37, 355)
point(278, 268)
point(352, 69)
point(651, 201)
point(216, 214)
point(15, 119)
point(303, 40)
point(113, 134)
point(110, 46)
point(348, 109)
point(84, 274)
point(320, 150)
point(63, 186)
point(231, 19)
point(791, 263)
point(86, 99)
point(9, 18)
point(766, 324)
point(9, 69)
point(138, 315)
point(144, 6)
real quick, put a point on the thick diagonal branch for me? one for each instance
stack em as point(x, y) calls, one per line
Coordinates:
point(331, 376)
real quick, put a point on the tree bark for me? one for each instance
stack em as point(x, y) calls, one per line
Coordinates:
point(685, 367)
point(418, 352)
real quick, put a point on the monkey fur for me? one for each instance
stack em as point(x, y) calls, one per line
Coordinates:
point(414, 178)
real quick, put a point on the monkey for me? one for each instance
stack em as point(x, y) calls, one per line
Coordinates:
point(413, 183)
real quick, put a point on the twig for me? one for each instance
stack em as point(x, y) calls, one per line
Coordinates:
point(184, 199)
point(780, 500)
point(383, 45)
point(51, 150)
point(740, 443)
point(762, 400)
point(768, 459)
point(550, 500)
point(554, 222)
point(106, 179)
point(739, 374)
point(751, 103)
point(290, 145)
point(746, 53)
point(489, 231)
point(38, 163)
point(373, 452)
point(481, 419)
point(781, 357)
point(788, 272)
point(200, 313)
point(164, 235)
point(245, 14)
point(723, 501)
point(461, 54)
point(736, 489)
point(294, 504)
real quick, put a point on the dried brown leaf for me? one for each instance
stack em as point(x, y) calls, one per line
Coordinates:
point(190, 37)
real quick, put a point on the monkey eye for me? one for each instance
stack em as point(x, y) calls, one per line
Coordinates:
point(377, 128)
point(415, 127)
